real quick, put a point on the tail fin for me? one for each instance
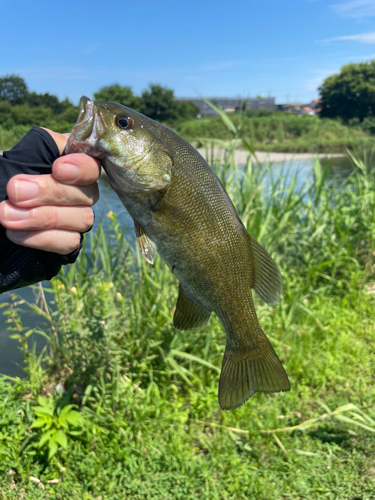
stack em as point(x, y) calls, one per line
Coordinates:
point(242, 376)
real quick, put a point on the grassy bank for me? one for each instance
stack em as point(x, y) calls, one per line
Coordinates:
point(282, 132)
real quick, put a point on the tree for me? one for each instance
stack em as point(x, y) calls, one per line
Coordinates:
point(47, 100)
point(349, 94)
point(157, 102)
point(121, 94)
point(13, 89)
point(185, 110)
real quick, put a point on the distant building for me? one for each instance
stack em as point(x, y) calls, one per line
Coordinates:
point(299, 108)
point(231, 105)
point(292, 107)
point(316, 105)
point(307, 110)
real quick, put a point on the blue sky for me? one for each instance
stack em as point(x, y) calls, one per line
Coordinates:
point(282, 48)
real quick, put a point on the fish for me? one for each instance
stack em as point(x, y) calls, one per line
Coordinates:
point(181, 210)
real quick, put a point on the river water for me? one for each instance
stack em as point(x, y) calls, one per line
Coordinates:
point(10, 355)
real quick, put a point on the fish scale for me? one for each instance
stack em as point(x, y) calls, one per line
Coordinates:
point(181, 210)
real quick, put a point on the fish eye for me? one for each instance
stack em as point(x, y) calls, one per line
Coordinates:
point(124, 122)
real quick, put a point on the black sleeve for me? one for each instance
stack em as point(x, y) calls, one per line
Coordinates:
point(22, 266)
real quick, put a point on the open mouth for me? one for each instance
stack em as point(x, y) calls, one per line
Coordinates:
point(83, 128)
point(86, 131)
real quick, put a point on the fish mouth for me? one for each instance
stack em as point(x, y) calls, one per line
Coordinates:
point(87, 130)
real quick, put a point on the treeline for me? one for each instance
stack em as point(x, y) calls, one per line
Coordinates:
point(20, 107)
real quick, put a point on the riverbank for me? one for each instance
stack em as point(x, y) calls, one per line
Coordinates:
point(241, 157)
point(265, 156)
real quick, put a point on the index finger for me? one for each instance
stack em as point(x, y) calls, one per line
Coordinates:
point(76, 169)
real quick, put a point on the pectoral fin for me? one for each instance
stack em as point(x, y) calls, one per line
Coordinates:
point(188, 314)
point(148, 247)
point(267, 283)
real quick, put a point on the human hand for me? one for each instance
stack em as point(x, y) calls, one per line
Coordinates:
point(49, 212)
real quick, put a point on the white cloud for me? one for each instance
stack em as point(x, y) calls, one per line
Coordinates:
point(355, 8)
point(367, 38)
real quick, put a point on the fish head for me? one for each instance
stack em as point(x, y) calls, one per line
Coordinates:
point(128, 144)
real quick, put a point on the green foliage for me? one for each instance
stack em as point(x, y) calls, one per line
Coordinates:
point(351, 93)
point(21, 109)
point(10, 136)
point(55, 422)
point(157, 102)
point(277, 131)
point(185, 110)
point(121, 94)
point(13, 89)
point(147, 393)
point(46, 100)
point(368, 125)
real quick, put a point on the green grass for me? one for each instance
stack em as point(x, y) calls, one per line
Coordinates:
point(148, 393)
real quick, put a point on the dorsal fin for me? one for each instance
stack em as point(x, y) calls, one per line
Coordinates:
point(268, 283)
point(148, 247)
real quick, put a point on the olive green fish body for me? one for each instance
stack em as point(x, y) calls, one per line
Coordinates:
point(181, 210)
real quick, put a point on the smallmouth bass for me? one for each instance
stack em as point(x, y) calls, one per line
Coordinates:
point(181, 210)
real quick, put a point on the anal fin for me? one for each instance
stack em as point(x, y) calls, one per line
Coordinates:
point(148, 247)
point(188, 314)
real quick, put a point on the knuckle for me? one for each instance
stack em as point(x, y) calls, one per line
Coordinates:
point(95, 193)
point(89, 218)
point(53, 219)
point(59, 194)
point(66, 242)
point(73, 242)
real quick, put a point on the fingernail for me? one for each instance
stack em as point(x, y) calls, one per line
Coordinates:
point(17, 236)
point(12, 214)
point(67, 172)
point(26, 190)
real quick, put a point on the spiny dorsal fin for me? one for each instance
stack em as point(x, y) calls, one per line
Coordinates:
point(189, 315)
point(148, 247)
point(268, 283)
point(244, 373)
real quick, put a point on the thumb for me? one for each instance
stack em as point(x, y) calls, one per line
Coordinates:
point(60, 139)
